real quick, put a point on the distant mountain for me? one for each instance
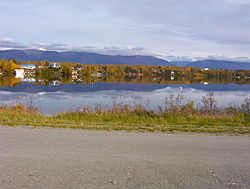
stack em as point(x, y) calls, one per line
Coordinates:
point(180, 63)
point(94, 58)
point(80, 57)
point(215, 64)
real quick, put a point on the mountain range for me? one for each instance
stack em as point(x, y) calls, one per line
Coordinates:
point(94, 58)
point(81, 57)
point(215, 64)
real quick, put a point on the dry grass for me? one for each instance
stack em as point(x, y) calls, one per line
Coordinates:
point(174, 116)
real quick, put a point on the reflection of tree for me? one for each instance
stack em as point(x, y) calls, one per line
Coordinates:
point(9, 81)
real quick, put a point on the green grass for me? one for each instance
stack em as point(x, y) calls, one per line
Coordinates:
point(134, 119)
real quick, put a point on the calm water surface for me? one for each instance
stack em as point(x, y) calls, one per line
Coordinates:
point(66, 97)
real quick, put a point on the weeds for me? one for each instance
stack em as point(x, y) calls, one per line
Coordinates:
point(245, 107)
point(175, 115)
point(209, 104)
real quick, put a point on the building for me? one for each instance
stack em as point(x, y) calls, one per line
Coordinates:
point(40, 67)
point(19, 73)
point(54, 65)
point(80, 68)
point(28, 66)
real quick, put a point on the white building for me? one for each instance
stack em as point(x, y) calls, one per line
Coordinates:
point(19, 73)
point(40, 67)
point(54, 65)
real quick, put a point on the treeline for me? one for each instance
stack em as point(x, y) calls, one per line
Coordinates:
point(126, 71)
point(8, 66)
point(150, 71)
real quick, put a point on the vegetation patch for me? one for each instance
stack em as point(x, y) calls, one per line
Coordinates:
point(173, 116)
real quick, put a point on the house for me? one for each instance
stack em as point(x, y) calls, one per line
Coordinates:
point(54, 65)
point(19, 73)
point(40, 67)
point(28, 66)
point(80, 68)
point(206, 69)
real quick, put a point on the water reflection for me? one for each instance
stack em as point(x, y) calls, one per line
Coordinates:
point(57, 95)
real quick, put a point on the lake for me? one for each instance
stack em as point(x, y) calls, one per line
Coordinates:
point(56, 97)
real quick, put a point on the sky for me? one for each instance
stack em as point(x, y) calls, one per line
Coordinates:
point(170, 29)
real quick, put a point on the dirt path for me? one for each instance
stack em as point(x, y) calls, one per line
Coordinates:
point(64, 158)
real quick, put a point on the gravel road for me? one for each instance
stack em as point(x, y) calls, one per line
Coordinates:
point(70, 159)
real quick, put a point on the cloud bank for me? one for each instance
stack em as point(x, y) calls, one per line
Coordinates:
point(8, 43)
point(178, 28)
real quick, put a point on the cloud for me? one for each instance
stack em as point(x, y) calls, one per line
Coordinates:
point(128, 50)
point(193, 28)
point(237, 59)
point(10, 43)
point(178, 58)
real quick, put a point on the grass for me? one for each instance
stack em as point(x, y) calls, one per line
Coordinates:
point(184, 118)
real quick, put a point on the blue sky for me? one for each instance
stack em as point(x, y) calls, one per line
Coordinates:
point(171, 29)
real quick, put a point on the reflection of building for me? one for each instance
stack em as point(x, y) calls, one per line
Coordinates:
point(204, 69)
point(29, 80)
point(75, 76)
point(29, 66)
point(19, 73)
point(75, 72)
point(54, 82)
point(54, 65)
